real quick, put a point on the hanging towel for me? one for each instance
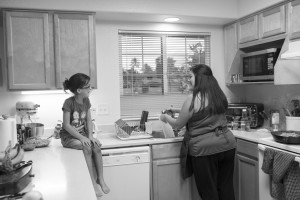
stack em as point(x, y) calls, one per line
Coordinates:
point(285, 175)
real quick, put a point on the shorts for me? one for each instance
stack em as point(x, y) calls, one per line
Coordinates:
point(71, 142)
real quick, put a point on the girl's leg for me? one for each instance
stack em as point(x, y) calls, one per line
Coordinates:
point(87, 152)
point(99, 167)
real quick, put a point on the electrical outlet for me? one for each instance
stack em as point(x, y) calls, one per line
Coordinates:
point(102, 109)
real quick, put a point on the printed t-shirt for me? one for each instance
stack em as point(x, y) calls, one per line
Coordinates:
point(78, 115)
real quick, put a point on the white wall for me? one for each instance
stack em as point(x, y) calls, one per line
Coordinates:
point(245, 7)
point(108, 72)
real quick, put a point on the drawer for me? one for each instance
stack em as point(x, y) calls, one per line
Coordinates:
point(247, 148)
point(169, 150)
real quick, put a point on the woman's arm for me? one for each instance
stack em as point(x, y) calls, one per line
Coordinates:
point(183, 117)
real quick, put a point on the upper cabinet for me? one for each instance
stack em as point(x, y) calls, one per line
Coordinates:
point(278, 27)
point(43, 48)
point(248, 29)
point(232, 52)
point(266, 26)
point(74, 46)
point(27, 54)
point(272, 22)
point(294, 19)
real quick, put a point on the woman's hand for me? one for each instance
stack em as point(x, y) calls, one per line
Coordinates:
point(95, 141)
point(85, 141)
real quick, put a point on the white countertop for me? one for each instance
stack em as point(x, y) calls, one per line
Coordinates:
point(60, 173)
point(254, 135)
point(110, 140)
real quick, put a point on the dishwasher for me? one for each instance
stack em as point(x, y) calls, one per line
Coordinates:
point(127, 173)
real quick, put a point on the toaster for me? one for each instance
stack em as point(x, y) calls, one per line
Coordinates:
point(234, 113)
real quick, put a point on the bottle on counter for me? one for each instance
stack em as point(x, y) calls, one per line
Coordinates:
point(275, 120)
point(245, 123)
point(57, 129)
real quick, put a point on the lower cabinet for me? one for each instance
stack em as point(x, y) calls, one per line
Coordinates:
point(246, 171)
point(167, 182)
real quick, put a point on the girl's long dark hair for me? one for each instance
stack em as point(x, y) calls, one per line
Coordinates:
point(75, 82)
point(208, 86)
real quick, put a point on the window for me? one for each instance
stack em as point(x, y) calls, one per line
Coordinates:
point(154, 69)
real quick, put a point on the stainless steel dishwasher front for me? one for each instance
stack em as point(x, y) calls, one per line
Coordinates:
point(127, 173)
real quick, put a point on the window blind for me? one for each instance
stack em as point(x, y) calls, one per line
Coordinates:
point(154, 69)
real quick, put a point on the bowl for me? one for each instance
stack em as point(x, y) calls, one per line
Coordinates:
point(34, 130)
point(286, 137)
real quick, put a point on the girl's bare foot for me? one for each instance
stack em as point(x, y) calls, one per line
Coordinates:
point(98, 190)
point(104, 187)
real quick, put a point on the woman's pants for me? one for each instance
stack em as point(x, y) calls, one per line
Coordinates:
point(214, 175)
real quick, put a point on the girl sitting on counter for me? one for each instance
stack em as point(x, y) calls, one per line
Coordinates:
point(77, 128)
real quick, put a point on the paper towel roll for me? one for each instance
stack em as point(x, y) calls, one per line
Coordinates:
point(8, 131)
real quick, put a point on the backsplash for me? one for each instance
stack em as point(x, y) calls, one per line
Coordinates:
point(273, 97)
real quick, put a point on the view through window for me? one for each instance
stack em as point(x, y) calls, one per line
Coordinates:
point(154, 69)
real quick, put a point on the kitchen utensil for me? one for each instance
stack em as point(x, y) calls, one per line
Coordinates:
point(292, 123)
point(296, 111)
point(287, 112)
point(144, 119)
point(286, 137)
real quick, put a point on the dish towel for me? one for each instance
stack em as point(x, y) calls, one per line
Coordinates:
point(285, 173)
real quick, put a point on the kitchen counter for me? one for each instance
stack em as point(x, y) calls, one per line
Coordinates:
point(254, 135)
point(60, 173)
point(110, 140)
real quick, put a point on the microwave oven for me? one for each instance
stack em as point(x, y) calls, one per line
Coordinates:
point(234, 113)
point(259, 65)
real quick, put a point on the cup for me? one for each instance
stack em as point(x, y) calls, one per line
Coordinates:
point(292, 123)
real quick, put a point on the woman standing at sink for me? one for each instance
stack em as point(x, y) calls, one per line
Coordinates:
point(208, 148)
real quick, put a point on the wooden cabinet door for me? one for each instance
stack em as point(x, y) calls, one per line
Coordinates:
point(248, 29)
point(232, 58)
point(167, 181)
point(294, 19)
point(247, 178)
point(27, 53)
point(272, 22)
point(74, 46)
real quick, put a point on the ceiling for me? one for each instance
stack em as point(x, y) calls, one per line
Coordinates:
point(159, 18)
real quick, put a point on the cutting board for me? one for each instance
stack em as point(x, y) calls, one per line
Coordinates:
point(15, 182)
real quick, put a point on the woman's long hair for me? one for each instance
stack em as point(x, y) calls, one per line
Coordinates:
point(209, 89)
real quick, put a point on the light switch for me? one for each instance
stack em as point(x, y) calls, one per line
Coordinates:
point(102, 109)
